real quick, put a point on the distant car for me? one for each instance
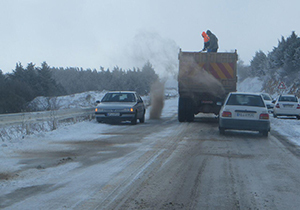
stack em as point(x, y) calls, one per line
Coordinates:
point(244, 111)
point(268, 101)
point(287, 105)
point(118, 106)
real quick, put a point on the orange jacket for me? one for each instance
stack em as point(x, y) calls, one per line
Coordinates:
point(205, 37)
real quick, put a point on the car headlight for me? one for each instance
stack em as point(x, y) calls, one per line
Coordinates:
point(128, 110)
point(99, 110)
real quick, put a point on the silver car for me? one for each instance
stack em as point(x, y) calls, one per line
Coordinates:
point(117, 106)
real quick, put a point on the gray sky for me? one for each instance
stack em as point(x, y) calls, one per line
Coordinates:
point(127, 33)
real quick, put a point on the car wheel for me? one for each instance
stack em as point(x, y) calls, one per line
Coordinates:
point(222, 131)
point(274, 115)
point(264, 133)
point(298, 117)
point(98, 120)
point(142, 120)
point(134, 120)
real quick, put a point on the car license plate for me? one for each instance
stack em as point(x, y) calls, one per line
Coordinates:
point(113, 114)
point(245, 115)
point(288, 105)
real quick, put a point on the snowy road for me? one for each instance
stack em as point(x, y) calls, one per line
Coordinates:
point(161, 164)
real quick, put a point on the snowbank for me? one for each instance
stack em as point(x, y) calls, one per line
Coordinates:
point(86, 99)
point(250, 85)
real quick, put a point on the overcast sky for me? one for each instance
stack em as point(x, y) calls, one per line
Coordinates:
point(127, 33)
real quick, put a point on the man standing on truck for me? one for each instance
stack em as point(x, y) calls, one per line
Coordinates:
point(213, 42)
point(206, 41)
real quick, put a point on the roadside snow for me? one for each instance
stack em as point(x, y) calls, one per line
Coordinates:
point(287, 127)
point(86, 99)
point(250, 85)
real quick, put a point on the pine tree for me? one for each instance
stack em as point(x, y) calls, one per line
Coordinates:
point(148, 77)
point(259, 64)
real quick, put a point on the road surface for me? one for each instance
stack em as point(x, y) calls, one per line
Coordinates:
point(161, 164)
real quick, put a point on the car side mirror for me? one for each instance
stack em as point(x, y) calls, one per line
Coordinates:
point(273, 101)
point(98, 102)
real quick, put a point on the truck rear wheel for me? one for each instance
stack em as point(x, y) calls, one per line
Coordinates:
point(190, 117)
point(189, 110)
point(181, 109)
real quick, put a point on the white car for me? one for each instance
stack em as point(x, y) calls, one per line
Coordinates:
point(268, 101)
point(244, 111)
point(287, 105)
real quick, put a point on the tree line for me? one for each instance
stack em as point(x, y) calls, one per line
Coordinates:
point(282, 63)
point(21, 86)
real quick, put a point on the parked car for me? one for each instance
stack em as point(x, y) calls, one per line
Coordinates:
point(118, 106)
point(287, 105)
point(268, 101)
point(244, 111)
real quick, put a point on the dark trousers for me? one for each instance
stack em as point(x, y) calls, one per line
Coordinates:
point(212, 50)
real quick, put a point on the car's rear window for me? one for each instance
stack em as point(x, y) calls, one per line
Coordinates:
point(288, 98)
point(119, 97)
point(245, 100)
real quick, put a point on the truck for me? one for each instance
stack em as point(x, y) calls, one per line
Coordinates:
point(204, 81)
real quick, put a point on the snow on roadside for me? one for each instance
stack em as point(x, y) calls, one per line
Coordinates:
point(86, 99)
point(250, 85)
point(287, 127)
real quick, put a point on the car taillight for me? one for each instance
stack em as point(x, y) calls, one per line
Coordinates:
point(277, 106)
point(264, 116)
point(226, 114)
point(298, 106)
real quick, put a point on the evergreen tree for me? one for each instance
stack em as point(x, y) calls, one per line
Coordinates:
point(259, 64)
point(276, 57)
point(23, 85)
point(243, 71)
point(148, 77)
point(292, 43)
point(48, 85)
point(3, 92)
point(19, 73)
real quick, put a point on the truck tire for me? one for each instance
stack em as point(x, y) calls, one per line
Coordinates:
point(189, 110)
point(190, 116)
point(181, 109)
